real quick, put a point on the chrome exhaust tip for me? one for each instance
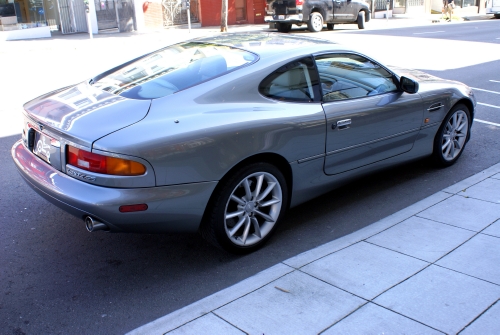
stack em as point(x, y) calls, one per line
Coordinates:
point(94, 225)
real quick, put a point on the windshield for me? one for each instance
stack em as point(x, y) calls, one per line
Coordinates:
point(172, 69)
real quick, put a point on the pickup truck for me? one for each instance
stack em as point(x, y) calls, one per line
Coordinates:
point(314, 13)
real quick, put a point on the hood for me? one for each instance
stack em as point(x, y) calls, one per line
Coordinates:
point(417, 75)
point(85, 113)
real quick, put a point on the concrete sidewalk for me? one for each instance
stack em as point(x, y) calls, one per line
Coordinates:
point(431, 268)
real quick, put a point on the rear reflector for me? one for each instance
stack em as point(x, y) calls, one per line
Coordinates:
point(133, 208)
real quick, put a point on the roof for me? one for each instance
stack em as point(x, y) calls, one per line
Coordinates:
point(268, 44)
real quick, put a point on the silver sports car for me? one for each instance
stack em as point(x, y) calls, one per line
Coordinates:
point(222, 135)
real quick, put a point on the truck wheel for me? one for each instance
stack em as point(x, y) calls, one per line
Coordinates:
point(361, 20)
point(315, 23)
point(283, 27)
point(329, 26)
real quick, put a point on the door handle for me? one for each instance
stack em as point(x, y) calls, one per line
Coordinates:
point(342, 124)
point(435, 107)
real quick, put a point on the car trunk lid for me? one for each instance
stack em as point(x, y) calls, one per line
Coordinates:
point(83, 113)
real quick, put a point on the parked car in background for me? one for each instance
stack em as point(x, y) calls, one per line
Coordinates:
point(315, 13)
point(493, 7)
point(223, 134)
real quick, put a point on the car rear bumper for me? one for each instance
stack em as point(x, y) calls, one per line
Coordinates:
point(284, 18)
point(170, 208)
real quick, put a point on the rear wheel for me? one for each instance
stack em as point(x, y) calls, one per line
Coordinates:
point(361, 20)
point(452, 136)
point(315, 23)
point(283, 27)
point(247, 208)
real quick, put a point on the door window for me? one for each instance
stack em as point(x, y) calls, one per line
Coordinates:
point(296, 81)
point(350, 76)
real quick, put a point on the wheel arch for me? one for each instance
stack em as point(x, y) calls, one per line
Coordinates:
point(318, 10)
point(271, 158)
point(366, 13)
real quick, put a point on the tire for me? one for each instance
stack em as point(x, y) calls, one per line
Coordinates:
point(315, 23)
point(246, 209)
point(361, 20)
point(329, 26)
point(283, 27)
point(452, 136)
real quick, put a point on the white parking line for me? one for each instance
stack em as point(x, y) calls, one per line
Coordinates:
point(495, 81)
point(429, 32)
point(487, 122)
point(492, 106)
point(480, 89)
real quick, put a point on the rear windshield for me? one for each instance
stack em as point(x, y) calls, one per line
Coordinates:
point(172, 69)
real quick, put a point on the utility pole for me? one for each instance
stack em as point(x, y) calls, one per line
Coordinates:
point(223, 17)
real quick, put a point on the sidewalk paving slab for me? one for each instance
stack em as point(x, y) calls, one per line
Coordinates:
point(467, 213)
point(486, 324)
point(294, 304)
point(421, 238)
point(373, 319)
point(365, 269)
point(479, 257)
point(440, 298)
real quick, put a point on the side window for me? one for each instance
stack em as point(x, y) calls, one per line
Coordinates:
point(296, 81)
point(349, 76)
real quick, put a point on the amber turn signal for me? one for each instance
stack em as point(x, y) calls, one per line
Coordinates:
point(93, 162)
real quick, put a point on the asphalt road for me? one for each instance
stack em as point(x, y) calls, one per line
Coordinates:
point(59, 279)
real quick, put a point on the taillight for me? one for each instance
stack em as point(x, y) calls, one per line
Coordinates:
point(299, 2)
point(103, 164)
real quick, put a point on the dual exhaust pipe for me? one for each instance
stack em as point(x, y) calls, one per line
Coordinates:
point(93, 225)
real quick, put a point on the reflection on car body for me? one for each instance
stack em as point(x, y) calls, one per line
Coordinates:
point(230, 132)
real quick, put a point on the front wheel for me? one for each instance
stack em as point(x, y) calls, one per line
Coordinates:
point(361, 20)
point(315, 23)
point(452, 136)
point(247, 208)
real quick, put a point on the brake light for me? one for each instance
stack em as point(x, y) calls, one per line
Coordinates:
point(103, 164)
point(299, 2)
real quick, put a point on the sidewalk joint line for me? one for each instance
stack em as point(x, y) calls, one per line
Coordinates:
point(477, 317)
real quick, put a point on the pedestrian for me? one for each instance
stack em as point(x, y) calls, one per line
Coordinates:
point(449, 5)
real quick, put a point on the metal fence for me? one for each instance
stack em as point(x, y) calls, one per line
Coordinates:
point(72, 16)
point(174, 14)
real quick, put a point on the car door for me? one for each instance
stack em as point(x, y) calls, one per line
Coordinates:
point(342, 11)
point(368, 118)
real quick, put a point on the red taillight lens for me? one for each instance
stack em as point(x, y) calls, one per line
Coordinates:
point(103, 164)
point(299, 2)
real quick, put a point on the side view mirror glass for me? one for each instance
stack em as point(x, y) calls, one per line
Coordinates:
point(408, 85)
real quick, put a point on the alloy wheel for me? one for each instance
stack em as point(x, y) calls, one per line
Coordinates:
point(454, 135)
point(253, 209)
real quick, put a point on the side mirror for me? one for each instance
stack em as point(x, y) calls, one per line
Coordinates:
point(408, 85)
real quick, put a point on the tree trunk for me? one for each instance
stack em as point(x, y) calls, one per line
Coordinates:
point(223, 17)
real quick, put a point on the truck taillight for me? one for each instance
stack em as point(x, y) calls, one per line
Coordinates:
point(93, 162)
point(299, 2)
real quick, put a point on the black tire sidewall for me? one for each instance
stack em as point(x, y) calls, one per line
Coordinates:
point(437, 152)
point(361, 20)
point(217, 224)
